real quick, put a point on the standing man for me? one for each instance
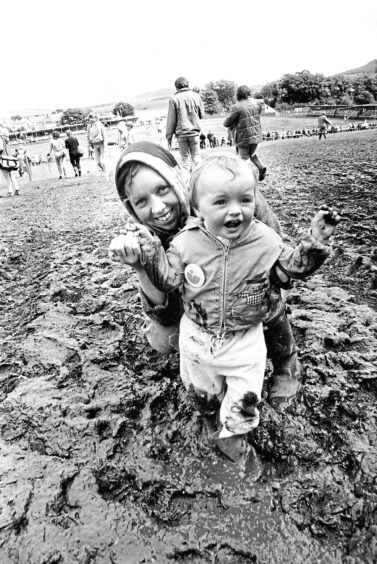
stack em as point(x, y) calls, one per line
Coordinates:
point(185, 111)
point(97, 140)
point(323, 124)
point(72, 144)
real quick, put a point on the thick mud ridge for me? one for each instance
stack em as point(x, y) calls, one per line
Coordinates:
point(103, 458)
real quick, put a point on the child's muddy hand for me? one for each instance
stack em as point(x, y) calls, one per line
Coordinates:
point(324, 223)
point(125, 248)
point(332, 217)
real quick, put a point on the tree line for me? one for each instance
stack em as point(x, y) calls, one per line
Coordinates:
point(300, 88)
point(304, 87)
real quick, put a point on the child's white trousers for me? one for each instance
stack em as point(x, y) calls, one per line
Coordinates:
point(233, 368)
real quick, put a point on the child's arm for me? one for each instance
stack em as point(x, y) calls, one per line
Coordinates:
point(165, 270)
point(313, 248)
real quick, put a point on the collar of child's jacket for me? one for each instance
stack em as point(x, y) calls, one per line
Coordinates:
point(198, 223)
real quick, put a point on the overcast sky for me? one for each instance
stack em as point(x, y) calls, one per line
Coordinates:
point(69, 53)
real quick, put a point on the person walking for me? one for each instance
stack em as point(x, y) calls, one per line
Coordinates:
point(244, 119)
point(97, 140)
point(185, 111)
point(72, 144)
point(323, 124)
point(57, 149)
point(5, 164)
point(125, 137)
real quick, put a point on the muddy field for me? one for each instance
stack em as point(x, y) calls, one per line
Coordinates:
point(103, 458)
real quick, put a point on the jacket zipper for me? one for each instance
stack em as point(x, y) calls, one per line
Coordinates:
point(225, 271)
point(226, 248)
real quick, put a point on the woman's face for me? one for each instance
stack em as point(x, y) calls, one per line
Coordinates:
point(154, 201)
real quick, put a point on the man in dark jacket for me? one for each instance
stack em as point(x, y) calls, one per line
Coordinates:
point(244, 119)
point(185, 111)
point(72, 144)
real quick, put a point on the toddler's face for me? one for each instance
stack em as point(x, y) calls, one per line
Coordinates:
point(154, 201)
point(226, 202)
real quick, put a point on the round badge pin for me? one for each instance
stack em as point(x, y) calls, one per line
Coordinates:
point(194, 275)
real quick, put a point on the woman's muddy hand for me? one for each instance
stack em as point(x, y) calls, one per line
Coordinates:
point(147, 241)
point(125, 248)
point(324, 223)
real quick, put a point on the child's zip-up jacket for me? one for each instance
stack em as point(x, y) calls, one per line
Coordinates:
point(226, 284)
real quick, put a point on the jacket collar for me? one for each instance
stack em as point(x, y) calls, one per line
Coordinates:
point(198, 223)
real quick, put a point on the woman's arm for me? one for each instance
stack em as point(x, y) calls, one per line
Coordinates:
point(165, 309)
point(125, 248)
point(165, 270)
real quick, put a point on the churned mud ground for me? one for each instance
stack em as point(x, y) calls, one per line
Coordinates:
point(104, 460)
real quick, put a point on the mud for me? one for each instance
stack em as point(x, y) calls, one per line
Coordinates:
point(103, 457)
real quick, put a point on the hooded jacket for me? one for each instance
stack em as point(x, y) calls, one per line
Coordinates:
point(226, 284)
point(163, 162)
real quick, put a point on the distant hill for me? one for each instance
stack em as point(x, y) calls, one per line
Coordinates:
point(369, 68)
point(152, 99)
point(153, 94)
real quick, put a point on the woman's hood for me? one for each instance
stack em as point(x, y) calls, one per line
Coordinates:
point(160, 160)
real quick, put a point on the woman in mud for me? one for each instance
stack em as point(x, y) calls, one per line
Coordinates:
point(151, 187)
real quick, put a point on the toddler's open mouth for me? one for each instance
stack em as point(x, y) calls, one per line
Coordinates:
point(233, 224)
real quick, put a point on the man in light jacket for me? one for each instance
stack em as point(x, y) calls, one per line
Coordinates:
point(185, 111)
point(97, 140)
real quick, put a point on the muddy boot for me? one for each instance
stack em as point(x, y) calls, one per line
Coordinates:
point(253, 466)
point(234, 447)
point(281, 349)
